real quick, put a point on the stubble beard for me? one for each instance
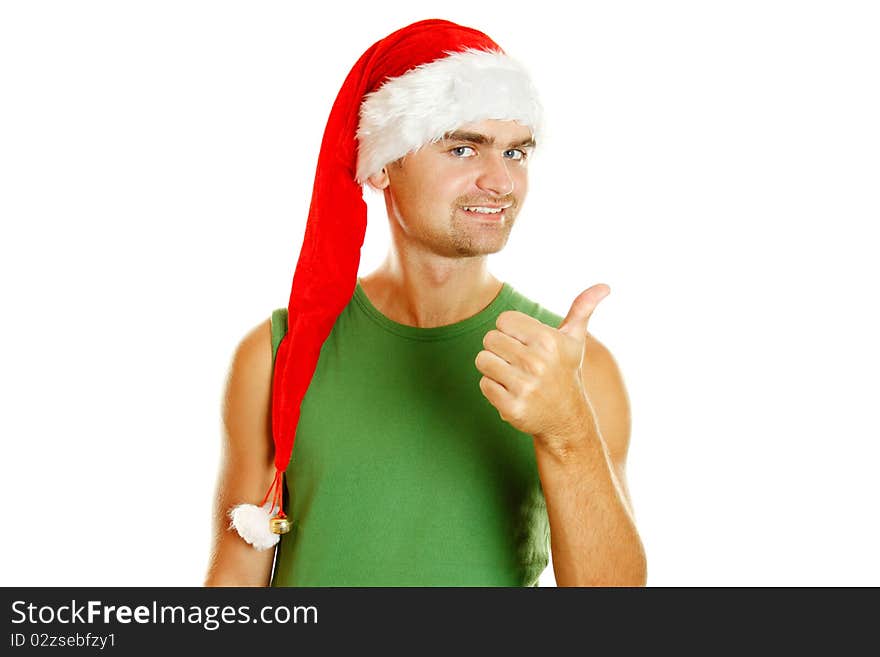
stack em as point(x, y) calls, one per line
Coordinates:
point(471, 238)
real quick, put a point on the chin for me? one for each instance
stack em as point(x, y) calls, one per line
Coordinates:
point(471, 250)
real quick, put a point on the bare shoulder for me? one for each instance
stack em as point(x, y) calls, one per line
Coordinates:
point(254, 351)
point(247, 402)
point(606, 390)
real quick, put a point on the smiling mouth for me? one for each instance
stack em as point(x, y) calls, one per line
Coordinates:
point(485, 213)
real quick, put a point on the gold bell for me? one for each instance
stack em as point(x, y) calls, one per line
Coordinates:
point(279, 525)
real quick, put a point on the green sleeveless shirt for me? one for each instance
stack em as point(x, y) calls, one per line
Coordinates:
point(403, 473)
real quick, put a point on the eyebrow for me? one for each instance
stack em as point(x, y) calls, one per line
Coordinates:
point(477, 138)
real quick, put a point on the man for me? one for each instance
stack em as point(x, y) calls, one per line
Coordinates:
point(445, 425)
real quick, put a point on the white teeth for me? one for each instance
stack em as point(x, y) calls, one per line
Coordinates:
point(485, 210)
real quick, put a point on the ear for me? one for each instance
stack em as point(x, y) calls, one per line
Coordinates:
point(379, 181)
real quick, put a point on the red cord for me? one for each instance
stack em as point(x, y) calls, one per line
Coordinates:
point(273, 490)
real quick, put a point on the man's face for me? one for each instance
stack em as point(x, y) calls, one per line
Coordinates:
point(481, 165)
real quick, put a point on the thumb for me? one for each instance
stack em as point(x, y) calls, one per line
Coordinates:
point(575, 322)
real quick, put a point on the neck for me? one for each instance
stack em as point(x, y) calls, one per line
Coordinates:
point(432, 292)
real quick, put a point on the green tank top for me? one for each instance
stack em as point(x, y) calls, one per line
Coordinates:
point(403, 473)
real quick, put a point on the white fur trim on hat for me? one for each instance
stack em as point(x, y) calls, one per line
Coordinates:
point(433, 99)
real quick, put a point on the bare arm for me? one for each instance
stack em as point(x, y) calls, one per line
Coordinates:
point(594, 539)
point(563, 387)
point(246, 468)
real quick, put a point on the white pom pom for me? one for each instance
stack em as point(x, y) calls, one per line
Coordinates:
point(252, 524)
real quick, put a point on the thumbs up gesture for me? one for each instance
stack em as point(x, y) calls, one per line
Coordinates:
point(532, 372)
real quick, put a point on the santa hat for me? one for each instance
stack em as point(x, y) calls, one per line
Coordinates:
point(408, 89)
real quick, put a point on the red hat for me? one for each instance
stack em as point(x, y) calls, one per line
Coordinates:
point(406, 90)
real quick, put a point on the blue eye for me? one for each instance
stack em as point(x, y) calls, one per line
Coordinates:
point(458, 151)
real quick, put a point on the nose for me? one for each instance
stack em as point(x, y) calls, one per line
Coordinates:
point(494, 176)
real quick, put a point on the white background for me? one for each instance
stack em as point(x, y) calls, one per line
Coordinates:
point(716, 164)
